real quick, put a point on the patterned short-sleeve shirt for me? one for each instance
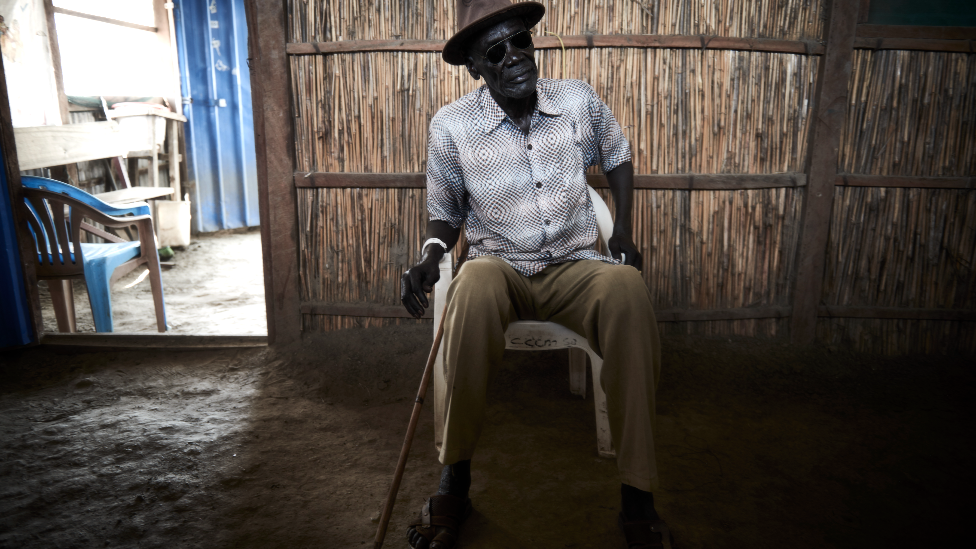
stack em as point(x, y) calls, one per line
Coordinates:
point(523, 198)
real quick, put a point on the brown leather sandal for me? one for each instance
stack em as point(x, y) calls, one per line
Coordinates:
point(442, 511)
point(646, 534)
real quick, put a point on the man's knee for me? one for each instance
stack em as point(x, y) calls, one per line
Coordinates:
point(481, 278)
point(626, 289)
point(626, 281)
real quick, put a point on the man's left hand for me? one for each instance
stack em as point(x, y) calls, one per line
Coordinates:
point(623, 244)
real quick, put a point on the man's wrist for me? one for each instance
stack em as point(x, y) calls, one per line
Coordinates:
point(621, 230)
point(434, 248)
point(436, 242)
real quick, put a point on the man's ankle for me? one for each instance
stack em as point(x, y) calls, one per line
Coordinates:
point(456, 479)
point(637, 504)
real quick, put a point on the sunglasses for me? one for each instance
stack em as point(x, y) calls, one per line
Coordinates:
point(496, 52)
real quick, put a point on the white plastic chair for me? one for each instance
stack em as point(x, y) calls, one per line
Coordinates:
point(532, 335)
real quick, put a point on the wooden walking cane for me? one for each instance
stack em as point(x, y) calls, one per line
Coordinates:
point(414, 419)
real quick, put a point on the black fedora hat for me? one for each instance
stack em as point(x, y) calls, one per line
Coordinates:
point(474, 16)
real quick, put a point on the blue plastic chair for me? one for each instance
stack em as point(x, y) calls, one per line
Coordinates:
point(56, 214)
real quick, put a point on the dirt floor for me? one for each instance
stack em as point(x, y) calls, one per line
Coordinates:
point(759, 446)
point(216, 286)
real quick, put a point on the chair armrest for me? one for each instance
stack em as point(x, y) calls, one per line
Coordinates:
point(45, 184)
point(440, 288)
point(90, 212)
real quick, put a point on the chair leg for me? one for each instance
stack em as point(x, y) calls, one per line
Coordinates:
point(577, 371)
point(100, 299)
point(63, 299)
point(604, 440)
point(155, 274)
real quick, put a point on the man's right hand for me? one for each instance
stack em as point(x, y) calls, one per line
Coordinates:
point(419, 281)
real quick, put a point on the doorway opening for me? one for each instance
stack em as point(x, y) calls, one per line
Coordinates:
point(179, 69)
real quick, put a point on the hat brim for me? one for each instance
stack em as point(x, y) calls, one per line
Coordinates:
point(531, 12)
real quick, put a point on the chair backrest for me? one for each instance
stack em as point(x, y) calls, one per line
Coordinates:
point(56, 228)
point(604, 222)
point(54, 213)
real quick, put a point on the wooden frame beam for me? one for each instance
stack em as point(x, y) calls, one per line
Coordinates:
point(890, 313)
point(739, 313)
point(805, 47)
point(681, 315)
point(122, 340)
point(864, 11)
point(664, 315)
point(101, 19)
point(855, 180)
point(918, 38)
point(360, 309)
point(916, 32)
point(687, 182)
point(829, 114)
point(917, 44)
point(274, 149)
point(708, 181)
point(877, 37)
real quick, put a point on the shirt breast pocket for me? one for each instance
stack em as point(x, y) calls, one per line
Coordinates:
point(570, 149)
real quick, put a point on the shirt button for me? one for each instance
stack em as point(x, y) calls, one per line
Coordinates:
point(546, 222)
point(538, 185)
point(530, 146)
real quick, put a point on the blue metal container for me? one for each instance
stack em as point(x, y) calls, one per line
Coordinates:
point(216, 84)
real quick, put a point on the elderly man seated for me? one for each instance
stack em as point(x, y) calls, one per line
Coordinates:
point(508, 162)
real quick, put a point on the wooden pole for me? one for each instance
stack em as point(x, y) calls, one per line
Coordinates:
point(863, 11)
point(828, 116)
point(70, 174)
point(274, 151)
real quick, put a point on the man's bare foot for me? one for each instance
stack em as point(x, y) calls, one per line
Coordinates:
point(455, 482)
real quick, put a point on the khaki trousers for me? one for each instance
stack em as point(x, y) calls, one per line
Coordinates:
point(607, 304)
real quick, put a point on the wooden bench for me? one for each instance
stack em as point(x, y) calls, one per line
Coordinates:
point(49, 146)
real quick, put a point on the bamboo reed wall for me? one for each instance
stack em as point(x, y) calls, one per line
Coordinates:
point(705, 249)
point(683, 111)
point(910, 248)
point(911, 113)
point(324, 20)
point(700, 111)
point(357, 242)
point(904, 248)
point(718, 250)
point(900, 336)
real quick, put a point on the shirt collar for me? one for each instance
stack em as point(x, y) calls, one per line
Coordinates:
point(493, 115)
